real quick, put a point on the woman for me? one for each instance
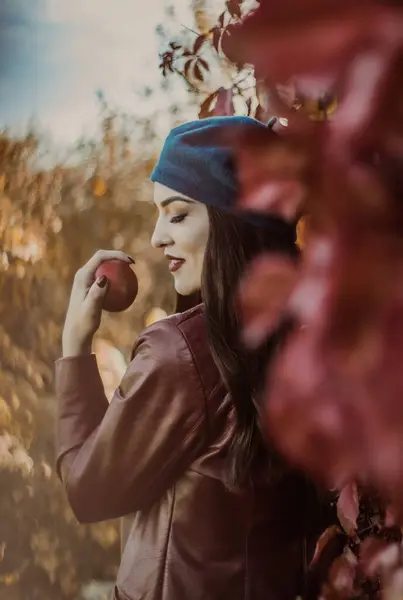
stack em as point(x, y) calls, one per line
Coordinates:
point(177, 453)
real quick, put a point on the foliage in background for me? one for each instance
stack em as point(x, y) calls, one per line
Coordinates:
point(221, 80)
point(51, 222)
point(200, 58)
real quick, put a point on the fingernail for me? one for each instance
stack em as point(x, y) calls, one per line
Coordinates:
point(130, 259)
point(102, 281)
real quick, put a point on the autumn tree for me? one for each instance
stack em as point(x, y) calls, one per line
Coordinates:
point(51, 222)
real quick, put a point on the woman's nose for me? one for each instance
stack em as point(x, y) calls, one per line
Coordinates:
point(160, 237)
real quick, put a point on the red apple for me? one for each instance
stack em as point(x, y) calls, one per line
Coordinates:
point(122, 285)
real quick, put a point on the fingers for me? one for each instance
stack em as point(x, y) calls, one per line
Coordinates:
point(103, 255)
point(95, 297)
point(86, 273)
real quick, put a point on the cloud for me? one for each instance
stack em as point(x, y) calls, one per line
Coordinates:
point(59, 53)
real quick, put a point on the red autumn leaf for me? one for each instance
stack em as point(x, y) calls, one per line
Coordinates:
point(325, 538)
point(390, 517)
point(345, 302)
point(311, 427)
point(198, 73)
point(352, 50)
point(318, 406)
point(368, 93)
point(203, 63)
point(278, 198)
point(378, 557)
point(217, 33)
point(311, 295)
point(342, 576)
point(187, 67)
point(273, 171)
point(269, 272)
point(205, 107)
point(319, 41)
point(225, 104)
point(234, 8)
point(226, 41)
point(260, 113)
point(348, 508)
point(198, 43)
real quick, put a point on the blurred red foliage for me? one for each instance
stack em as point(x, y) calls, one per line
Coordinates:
point(334, 399)
point(334, 405)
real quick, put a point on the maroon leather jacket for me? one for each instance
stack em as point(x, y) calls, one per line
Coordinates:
point(156, 456)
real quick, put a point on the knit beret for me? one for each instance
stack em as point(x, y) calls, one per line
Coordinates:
point(197, 160)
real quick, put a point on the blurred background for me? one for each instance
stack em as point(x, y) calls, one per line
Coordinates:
point(84, 109)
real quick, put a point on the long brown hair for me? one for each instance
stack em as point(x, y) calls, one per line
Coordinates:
point(232, 244)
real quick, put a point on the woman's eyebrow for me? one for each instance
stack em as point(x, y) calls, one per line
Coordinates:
point(171, 199)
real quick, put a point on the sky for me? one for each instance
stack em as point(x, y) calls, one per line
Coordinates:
point(56, 54)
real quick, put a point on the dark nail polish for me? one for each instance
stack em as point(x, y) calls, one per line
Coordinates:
point(102, 281)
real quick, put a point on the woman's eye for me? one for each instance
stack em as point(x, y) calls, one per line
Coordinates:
point(178, 218)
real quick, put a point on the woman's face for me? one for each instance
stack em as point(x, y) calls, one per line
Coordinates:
point(182, 229)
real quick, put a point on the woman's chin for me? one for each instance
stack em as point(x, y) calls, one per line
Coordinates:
point(186, 288)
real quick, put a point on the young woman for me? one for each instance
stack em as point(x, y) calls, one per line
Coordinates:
point(209, 513)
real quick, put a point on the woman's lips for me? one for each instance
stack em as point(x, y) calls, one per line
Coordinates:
point(175, 264)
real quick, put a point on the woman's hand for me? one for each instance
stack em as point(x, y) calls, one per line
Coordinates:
point(85, 307)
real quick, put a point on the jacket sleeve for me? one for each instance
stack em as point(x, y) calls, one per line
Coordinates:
point(120, 457)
